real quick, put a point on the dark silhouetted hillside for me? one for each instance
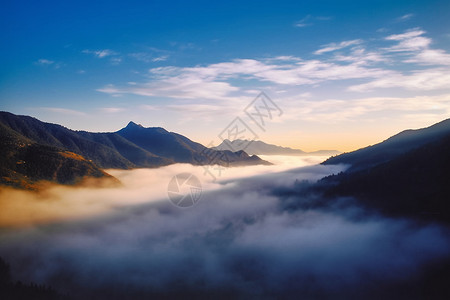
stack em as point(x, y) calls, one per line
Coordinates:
point(414, 184)
point(407, 175)
point(392, 147)
point(16, 290)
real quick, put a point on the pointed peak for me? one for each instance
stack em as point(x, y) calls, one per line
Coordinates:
point(131, 124)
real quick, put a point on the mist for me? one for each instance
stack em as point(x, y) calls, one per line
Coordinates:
point(59, 202)
point(240, 240)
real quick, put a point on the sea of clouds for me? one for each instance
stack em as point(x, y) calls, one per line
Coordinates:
point(240, 240)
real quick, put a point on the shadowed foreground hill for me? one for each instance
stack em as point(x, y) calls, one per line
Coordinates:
point(24, 163)
point(12, 290)
point(407, 175)
point(393, 147)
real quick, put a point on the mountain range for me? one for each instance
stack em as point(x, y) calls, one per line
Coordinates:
point(262, 148)
point(406, 175)
point(33, 150)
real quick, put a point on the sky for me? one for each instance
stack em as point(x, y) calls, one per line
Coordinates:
point(339, 74)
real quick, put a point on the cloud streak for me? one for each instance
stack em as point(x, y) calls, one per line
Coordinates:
point(333, 46)
point(212, 81)
point(44, 62)
point(310, 20)
point(405, 17)
point(150, 57)
point(64, 111)
point(411, 40)
point(100, 53)
point(337, 110)
point(346, 60)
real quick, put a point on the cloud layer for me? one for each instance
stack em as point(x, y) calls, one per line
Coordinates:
point(352, 59)
point(238, 241)
point(405, 66)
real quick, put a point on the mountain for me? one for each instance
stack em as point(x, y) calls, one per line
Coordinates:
point(180, 149)
point(393, 147)
point(133, 155)
point(33, 150)
point(261, 148)
point(406, 175)
point(25, 163)
point(60, 137)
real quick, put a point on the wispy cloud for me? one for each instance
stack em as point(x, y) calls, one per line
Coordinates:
point(47, 63)
point(211, 81)
point(405, 17)
point(149, 107)
point(413, 48)
point(64, 111)
point(160, 58)
point(425, 80)
point(349, 60)
point(418, 46)
point(115, 60)
point(412, 40)
point(303, 22)
point(149, 57)
point(309, 20)
point(284, 58)
point(338, 110)
point(44, 62)
point(361, 55)
point(333, 46)
point(112, 110)
point(184, 86)
point(431, 57)
point(100, 53)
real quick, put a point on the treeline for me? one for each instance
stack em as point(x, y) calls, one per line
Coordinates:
point(15, 290)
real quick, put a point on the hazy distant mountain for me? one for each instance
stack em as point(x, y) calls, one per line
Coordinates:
point(392, 147)
point(261, 148)
point(45, 147)
point(408, 174)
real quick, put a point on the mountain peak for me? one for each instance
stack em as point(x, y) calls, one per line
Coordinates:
point(131, 124)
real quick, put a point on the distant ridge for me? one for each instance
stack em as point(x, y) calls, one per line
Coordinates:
point(133, 146)
point(262, 148)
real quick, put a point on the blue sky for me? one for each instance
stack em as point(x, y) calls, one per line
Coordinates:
point(346, 74)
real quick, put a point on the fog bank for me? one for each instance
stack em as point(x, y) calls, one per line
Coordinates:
point(238, 241)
